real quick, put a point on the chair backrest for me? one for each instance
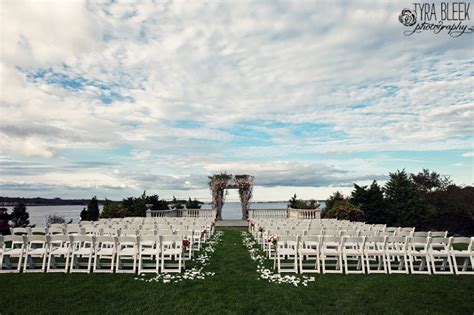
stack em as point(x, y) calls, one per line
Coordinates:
point(55, 230)
point(128, 232)
point(350, 233)
point(105, 240)
point(404, 233)
point(57, 225)
point(309, 241)
point(148, 241)
point(146, 232)
point(398, 241)
point(419, 242)
point(36, 240)
point(20, 231)
point(127, 241)
point(377, 242)
point(469, 242)
point(58, 239)
point(421, 234)
point(174, 241)
point(13, 240)
point(71, 230)
point(38, 230)
point(352, 241)
point(90, 230)
point(438, 234)
point(332, 233)
point(440, 242)
point(82, 239)
point(109, 232)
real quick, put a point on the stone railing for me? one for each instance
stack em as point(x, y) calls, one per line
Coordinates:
point(185, 213)
point(285, 213)
point(304, 213)
point(268, 213)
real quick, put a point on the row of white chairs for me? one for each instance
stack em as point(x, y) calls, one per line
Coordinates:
point(372, 254)
point(85, 253)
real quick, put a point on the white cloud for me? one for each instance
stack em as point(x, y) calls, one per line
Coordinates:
point(244, 73)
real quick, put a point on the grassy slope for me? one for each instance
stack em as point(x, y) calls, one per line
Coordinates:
point(235, 289)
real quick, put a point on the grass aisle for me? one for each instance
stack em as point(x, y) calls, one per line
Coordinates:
point(234, 289)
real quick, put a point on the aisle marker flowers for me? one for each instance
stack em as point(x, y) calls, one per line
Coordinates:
point(257, 255)
point(197, 272)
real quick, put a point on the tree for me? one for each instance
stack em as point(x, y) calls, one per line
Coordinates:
point(454, 209)
point(335, 199)
point(427, 181)
point(404, 203)
point(93, 209)
point(136, 207)
point(345, 211)
point(370, 201)
point(175, 204)
point(20, 217)
point(296, 203)
point(113, 210)
point(84, 215)
point(193, 204)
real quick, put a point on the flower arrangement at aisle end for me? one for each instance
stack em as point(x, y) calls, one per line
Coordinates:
point(186, 243)
point(272, 240)
point(260, 229)
point(204, 233)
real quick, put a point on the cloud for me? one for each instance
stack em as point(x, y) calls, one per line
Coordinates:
point(468, 154)
point(173, 91)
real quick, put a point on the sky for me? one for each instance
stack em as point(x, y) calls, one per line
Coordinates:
point(111, 98)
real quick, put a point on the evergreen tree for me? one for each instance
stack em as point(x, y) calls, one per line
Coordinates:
point(84, 215)
point(93, 209)
point(193, 204)
point(335, 199)
point(404, 203)
point(20, 217)
point(370, 201)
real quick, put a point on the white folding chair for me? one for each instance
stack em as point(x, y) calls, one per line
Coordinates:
point(105, 248)
point(353, 250)
point(374, 252)
point(188, 241)
point(36, 247)
point(331, 254)
point(287, 249)
point(148, 250)
point(59, 247)
point(13, 247)
point(438, 251)
point(172, 252)
point(396, 252)
point(308, 250)
point(126, 249)
point(462, 250)
point(82, 248)
point(418, 251)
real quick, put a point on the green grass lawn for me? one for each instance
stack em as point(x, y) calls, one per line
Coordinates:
point(235, 288)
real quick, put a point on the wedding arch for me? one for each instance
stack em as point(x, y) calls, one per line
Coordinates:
point(218, 183)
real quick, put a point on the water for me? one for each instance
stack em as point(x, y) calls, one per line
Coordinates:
point(38, 214)
point(230, 211)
